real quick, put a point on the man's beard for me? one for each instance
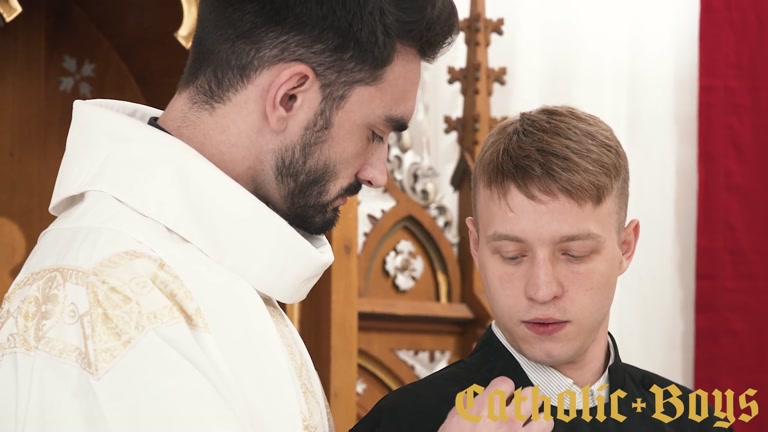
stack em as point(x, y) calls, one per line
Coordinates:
point(304, 179)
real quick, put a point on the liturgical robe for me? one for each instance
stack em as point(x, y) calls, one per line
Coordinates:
point(150, 303)
point(424, 405)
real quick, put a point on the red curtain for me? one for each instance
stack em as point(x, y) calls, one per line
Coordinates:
point(732, 240)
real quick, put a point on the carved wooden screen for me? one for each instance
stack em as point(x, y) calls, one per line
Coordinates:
point(411, 311)
point(51, 53)
point(420, 302)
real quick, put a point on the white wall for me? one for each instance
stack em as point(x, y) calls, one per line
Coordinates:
point(634, 64)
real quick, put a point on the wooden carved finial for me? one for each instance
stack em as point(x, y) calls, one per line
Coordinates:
point(9, 9)
point(452, 124)
point(496, 75)
point(458, 75)
point(464, 25)
point(472, 128)
point(476, 78)
point(493, 26)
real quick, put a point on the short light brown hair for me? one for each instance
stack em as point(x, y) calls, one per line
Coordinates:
point(554, 151)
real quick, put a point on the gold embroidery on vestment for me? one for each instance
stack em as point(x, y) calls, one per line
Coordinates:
point(311, 403)
point(92, 317)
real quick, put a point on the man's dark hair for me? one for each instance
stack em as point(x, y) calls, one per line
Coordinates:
point(347, 43)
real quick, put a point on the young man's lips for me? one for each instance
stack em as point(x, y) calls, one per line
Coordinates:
point(545, 326)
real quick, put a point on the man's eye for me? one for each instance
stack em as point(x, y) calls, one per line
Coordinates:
point(576, 256)
point(376, 137)
point(512, 258)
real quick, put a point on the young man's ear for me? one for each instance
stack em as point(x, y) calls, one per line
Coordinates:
point(629, 237)
point(474, 239)
point(293, 89)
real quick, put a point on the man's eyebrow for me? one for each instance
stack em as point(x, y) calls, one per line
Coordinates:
point(396, 123)
point(580, 237)
point(499, 237)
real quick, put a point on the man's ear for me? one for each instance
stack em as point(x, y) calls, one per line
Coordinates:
point(294, 92)
point(474, 239)
point(629, 237)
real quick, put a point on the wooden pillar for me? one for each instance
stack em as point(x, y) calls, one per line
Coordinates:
point(476, 80)
point(328, 321)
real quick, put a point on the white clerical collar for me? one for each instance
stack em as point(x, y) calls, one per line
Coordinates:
point(112, 149)
point(552, 383)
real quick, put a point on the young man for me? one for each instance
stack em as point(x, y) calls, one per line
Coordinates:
point(150, 304)
point(549, 238)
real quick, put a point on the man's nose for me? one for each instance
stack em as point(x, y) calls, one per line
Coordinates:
point(374, 173)
point(543, 285)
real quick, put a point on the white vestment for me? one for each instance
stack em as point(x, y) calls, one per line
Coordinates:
point(150, 302)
